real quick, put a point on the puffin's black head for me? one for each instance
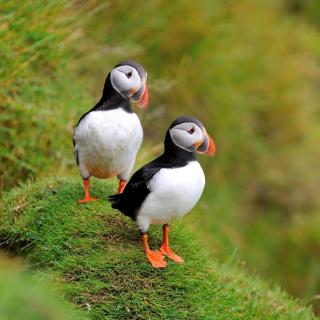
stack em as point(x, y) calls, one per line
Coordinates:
point(189, 134)
point(129, 79)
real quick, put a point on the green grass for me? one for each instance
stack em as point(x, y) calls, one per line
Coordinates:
point(97, 259)
point(249, 70)
point(40, 93)
point(281, 248)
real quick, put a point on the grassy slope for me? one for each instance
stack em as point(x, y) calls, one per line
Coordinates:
point(96, 254)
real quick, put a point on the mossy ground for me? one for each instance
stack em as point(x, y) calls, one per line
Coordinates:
point(97, 258)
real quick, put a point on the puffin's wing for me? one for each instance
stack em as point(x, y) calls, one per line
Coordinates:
point(135, 191)
point(76, 154)
point(75, 147)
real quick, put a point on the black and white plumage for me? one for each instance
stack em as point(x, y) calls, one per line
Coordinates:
point(169, 186)
point(108, 137)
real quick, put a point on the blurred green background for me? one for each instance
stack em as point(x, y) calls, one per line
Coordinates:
point(250, 70)
point(25, 296)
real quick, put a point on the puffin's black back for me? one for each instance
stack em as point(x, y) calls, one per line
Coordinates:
point(136, 191)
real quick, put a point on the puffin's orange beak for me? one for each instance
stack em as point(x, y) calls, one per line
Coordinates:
point(207, 146)
point(142, 97)
point(211, 148)
point(144, 100)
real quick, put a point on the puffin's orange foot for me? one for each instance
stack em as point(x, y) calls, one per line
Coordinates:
point(87, 199)
point(166, 250)
point(156, 258)
point(122, 185)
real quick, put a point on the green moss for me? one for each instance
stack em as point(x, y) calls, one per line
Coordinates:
point(97, 255)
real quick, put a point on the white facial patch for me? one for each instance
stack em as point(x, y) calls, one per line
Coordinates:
point(125, 80)
point(186, 135)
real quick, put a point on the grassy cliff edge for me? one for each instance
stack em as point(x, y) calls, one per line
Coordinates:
point(97, 257)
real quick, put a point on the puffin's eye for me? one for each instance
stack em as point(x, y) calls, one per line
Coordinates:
point(191, 131)
point(129, 74)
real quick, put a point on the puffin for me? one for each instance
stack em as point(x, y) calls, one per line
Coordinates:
point(168, 187)
point(107, 137)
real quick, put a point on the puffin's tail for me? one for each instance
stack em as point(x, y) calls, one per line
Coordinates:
point(115, 200)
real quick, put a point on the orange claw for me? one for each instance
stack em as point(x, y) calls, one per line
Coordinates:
point(156, 258)
point(170, 254)
point(165, 249)
point(87, 197)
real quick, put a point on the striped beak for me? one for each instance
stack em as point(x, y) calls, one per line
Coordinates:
point(141, 97)
point(207, 146)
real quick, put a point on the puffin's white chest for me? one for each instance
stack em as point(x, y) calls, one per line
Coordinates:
point(174, 192)
point(107, 141)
